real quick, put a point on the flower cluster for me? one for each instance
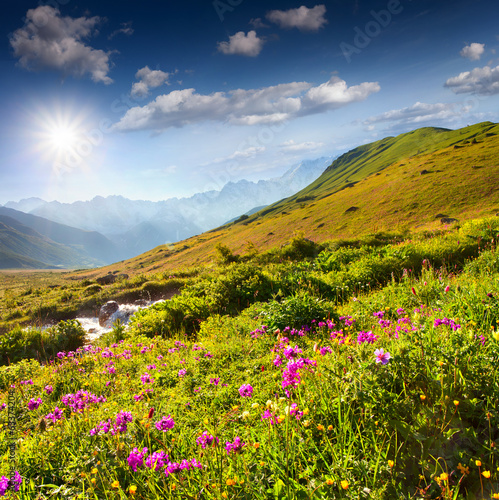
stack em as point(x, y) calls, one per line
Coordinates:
point(206, 440)
point(246, 391)
point(235, 447)
point(120, 425)
point(55, 416)
point(165, 424)
point(80, 401)
point(33, 404)
point(159, 460)
point(446, 321)
point(7, 483)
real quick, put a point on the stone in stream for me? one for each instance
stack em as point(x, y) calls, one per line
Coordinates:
point(106, 311)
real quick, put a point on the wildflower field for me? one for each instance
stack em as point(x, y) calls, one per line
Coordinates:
point(360, 370)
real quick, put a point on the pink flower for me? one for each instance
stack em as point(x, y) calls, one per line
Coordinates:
point(382, 356)
point(246, 391)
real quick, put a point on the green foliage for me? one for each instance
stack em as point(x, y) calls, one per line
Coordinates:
point(294, 311)
point(92, 289)
point(350, 428)
point(21, 343)
point(224, 254)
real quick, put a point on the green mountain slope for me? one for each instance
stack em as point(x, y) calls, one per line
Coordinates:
point(411, 181)
point(369, 159)
point(22, 246)
point(90, 243)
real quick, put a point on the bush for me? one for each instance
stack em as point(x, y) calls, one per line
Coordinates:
point(92, 289)
point(294, 311)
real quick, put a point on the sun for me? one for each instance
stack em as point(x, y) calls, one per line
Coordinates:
point(59, 135)
point(62, 137)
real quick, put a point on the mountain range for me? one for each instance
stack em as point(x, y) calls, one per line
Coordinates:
point(421, 180)
point(105, 230)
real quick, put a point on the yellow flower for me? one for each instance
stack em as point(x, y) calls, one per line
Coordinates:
point(256, 446)
point(486, 474)
point(306, 423)
point(224, 495)
point(132, 490)
point(422, 397)
point(330, 482)
point(95, 470)
point(463, 469)
point(456, 403)
point(345, 484)
point(306, 411)
point(391, 463)
point(495, 334)
point(495, 495)
point(329, 427)
point(262, 464)
point(440, 363)
point(93, 480)
point(115, 484)
point(255, 405)
point(230, 482)
point(320, 427)
point(478, 463)
point(444, 476)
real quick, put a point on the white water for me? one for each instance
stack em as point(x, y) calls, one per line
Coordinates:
point(124, 313)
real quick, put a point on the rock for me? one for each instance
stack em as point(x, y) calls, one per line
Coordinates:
point(448, 220)
point(122, 277)
point(106, 280)
point(106, 311)
point(439, 216)
point(424, 172)
point(320, 225)
point(351, 209)
point(141, 303)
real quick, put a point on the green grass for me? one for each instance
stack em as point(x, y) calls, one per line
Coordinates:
point(348, 427)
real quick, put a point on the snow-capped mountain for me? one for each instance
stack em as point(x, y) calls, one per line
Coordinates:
point(138, 225)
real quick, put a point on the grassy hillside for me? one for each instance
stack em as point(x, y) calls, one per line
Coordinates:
point(359, 369)
point(89, 243)
point(362, 364)
point(376, 187)
point(22, 244)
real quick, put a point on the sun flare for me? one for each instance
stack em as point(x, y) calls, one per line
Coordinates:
point(62, 137)
point(59, 136)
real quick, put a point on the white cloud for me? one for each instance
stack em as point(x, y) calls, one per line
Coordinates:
point(244, 154)
point(303, 18)
point(481, 81)
point(473, 51)
point(148, 79)
point(268, 105)
point(292, 147)
point(416, 113)
point(48, 41)
point(243, 45)
point(258, 23)
point(126, 29)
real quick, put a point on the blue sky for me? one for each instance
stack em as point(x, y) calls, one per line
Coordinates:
point(156, 99)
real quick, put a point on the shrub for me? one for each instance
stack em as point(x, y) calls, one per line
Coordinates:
point(294, 311)
point(92, 289)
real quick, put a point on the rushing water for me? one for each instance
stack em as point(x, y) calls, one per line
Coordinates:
point(124, 313)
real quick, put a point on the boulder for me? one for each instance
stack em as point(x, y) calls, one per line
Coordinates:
point(448, 220)
point(351, 209)
point(106, 280)
point(106, 311)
